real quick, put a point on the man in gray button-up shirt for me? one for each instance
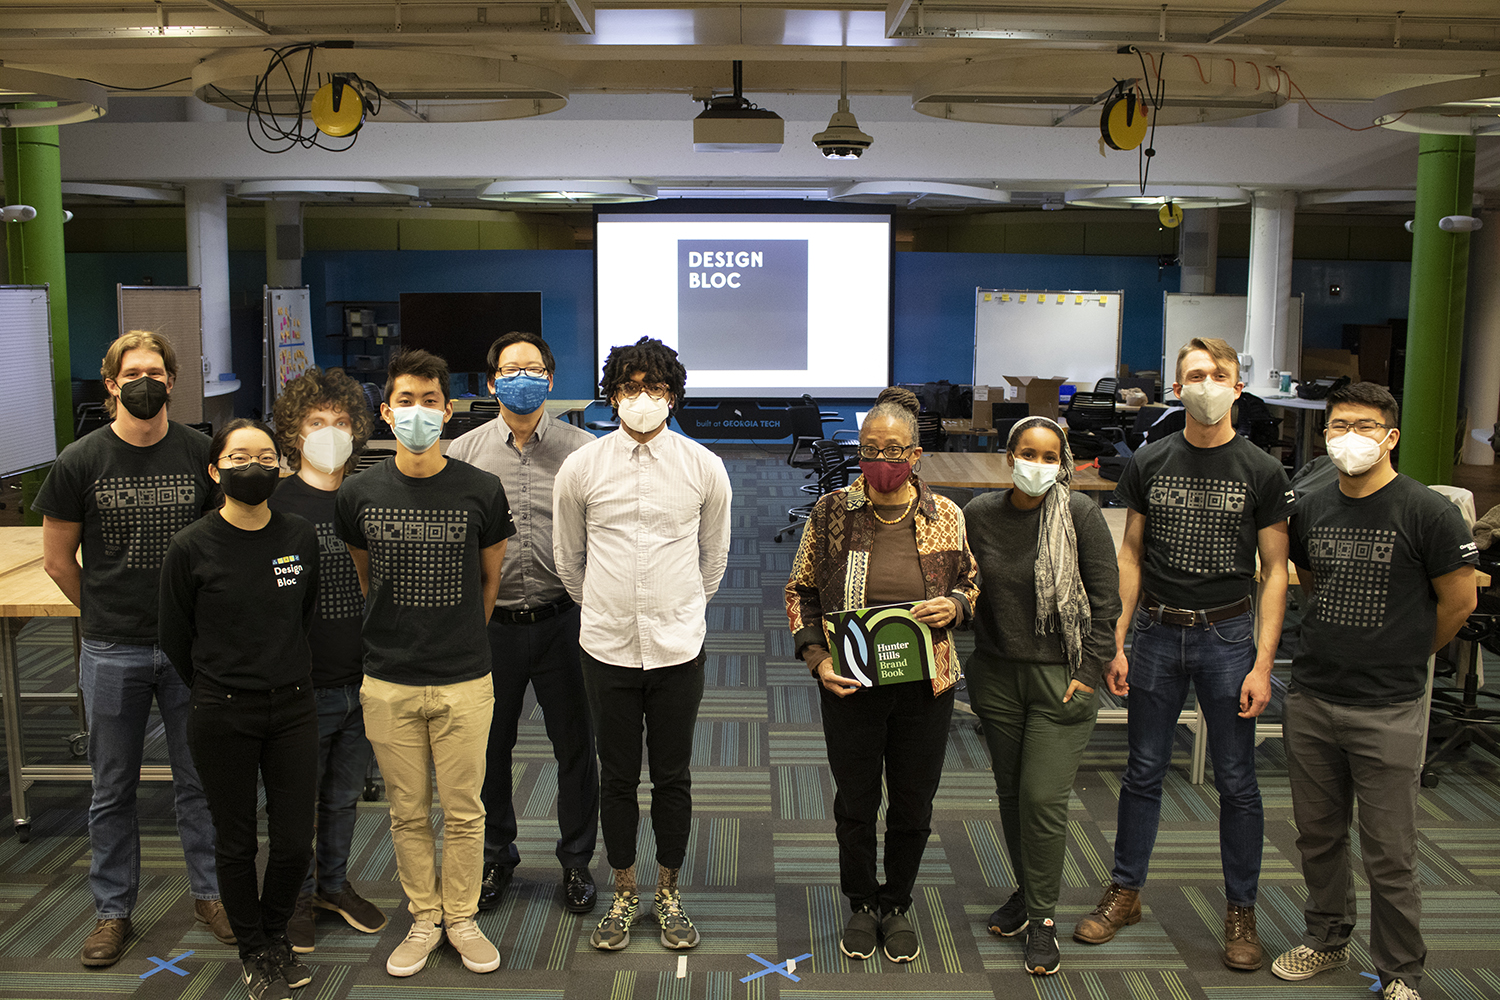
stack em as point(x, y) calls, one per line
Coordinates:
point(534, 630)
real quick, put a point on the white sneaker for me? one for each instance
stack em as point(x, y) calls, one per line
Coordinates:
point(1397, 990)
point(472, 946)
point(411, 954)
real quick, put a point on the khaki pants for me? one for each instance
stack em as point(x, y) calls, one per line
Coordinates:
point(415, 730)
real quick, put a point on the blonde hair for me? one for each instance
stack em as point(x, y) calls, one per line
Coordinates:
point(135, 340)
point(1224, 356)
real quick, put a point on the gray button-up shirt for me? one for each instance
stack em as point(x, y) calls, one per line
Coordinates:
point(528, 578)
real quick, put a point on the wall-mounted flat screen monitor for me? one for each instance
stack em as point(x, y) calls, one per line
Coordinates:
point(757, 303)
point(461, 326)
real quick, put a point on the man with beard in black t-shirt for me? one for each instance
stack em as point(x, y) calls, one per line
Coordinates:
point(1390, 567)
point(120, 494)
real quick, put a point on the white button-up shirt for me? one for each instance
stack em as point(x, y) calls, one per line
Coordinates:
point(641, 539)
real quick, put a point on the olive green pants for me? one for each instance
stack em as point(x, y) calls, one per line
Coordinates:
point(1035, 744)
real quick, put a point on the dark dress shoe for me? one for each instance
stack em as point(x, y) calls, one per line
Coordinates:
point(106, 942)
point(492, 887)
point(579, 893)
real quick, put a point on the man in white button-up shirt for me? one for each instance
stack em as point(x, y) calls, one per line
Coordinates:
point(641, 539)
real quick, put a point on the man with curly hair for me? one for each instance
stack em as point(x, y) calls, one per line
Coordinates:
point(322, 422)
point(641, 539)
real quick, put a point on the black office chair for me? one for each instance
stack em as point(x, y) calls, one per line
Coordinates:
point(833, 474)
point(807, 430)
point(371, 456)
point(1141, 426)
point(1472, 718)
point(1092, 427)
point(1108, 386)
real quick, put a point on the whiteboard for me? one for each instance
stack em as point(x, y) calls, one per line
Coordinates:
point(30, 439)
point(287, 324)
point(175, 313)
point(1047, 333)
point(1185, 316)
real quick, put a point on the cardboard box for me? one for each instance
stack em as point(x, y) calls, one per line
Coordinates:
point(1324, 362)
point(1039, 395)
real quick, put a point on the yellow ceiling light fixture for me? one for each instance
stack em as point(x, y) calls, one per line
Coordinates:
point(1170, 215)
point(338, 108)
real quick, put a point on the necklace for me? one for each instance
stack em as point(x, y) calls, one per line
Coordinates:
point(904, 511)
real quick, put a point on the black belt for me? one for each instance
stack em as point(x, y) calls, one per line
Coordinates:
point(1183, 616)
point(530, 616)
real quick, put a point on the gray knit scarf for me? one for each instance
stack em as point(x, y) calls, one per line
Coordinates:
point(1062, 605)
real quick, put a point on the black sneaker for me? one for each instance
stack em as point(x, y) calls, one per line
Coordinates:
point(1042, 956)
point(1010, 919)
point(292, 970)
point(492, 888)
point(299, 927)
point(860, 934)
point(899, 937)
point(357, 911)
point(263, 976)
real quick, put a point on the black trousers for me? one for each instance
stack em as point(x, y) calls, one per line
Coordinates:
point(664, 702)
point(902, 730)
point(544, 655)
point(235, 735)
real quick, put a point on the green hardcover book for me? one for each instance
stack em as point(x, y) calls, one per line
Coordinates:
point(880, 645)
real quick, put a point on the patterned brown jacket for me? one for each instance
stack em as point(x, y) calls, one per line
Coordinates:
point(831, 567)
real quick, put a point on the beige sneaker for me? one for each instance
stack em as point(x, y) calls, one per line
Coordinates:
point(411, 954)
point(471, 944)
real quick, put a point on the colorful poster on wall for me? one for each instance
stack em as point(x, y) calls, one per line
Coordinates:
point(290, 333)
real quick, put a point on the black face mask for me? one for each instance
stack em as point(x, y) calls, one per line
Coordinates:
point(251, 485)
point(143, 397)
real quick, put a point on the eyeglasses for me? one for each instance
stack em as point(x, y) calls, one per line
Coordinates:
point(655, 390)
point(891, 453)
point(1363, 426)
point(245, 461)
point(535, 371)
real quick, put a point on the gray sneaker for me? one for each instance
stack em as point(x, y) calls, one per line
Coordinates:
point(472, 946)
point(1303, 962)
point(411, 954)
point(677, 931)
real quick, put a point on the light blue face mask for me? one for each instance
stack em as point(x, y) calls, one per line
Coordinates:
point(417, 427)
point(522, 394)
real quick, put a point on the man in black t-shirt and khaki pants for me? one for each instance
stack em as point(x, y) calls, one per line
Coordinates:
point(1203, 503)
point(1390, 567)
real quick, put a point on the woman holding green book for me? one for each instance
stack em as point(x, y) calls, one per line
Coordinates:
point(1044, 631)
point(886, 539)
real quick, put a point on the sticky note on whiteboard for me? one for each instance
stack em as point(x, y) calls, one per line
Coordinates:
point(1103, 299)
point(1005, 298)
point(987, 296)
point(1060, 299)
point(1023, 297)
point(1078, 300)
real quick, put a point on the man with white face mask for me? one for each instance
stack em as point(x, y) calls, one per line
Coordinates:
point(1390, 567)
point(427, 534)
point(322, 422)
point(641, 540)
point(1203, 503)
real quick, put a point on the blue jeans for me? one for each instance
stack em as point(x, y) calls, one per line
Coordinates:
point(1215, 659)
point(118, 682)
point(343, 761)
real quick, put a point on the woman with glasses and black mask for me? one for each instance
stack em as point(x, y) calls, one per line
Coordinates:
point(885, 539)
point(238, 592)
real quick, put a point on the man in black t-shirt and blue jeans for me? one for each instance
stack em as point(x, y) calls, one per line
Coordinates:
point(120, 494)
point(1390, 567)
point(1203, 503)
point(427, 534)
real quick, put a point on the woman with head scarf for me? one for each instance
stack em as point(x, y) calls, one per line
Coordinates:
point(1044, 629)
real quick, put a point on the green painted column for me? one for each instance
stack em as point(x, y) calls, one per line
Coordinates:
point(1435, 317)
point(34, 250)
point(34, 256)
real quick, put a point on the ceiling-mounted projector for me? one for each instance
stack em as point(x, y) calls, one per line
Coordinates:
point(731, 124)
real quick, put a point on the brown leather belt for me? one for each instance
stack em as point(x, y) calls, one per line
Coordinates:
point(1186, 617)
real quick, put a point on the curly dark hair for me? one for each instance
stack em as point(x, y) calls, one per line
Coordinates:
point(652, 358)
point(901, 405)
point(316, 389)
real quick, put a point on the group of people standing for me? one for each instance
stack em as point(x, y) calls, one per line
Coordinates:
point(1211, 520)
point(405, 610)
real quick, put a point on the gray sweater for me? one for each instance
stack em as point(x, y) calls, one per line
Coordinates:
point(1004, 541)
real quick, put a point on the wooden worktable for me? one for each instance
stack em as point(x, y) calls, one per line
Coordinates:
point(989, 470)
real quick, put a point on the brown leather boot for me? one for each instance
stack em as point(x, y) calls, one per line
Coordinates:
point(105, 943)
point(1242, 948)
point(211, 912)
point(1118, 907)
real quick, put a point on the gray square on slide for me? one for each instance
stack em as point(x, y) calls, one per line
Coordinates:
point(742, 304)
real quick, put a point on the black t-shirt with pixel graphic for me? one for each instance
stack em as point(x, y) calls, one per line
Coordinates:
point(130, 501)
point(335, 637)
point(1366, 638)
point(424, 617)
point(1203, 509)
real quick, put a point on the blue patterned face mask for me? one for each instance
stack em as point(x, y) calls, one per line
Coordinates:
point(417, 427)
point(523, 393)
